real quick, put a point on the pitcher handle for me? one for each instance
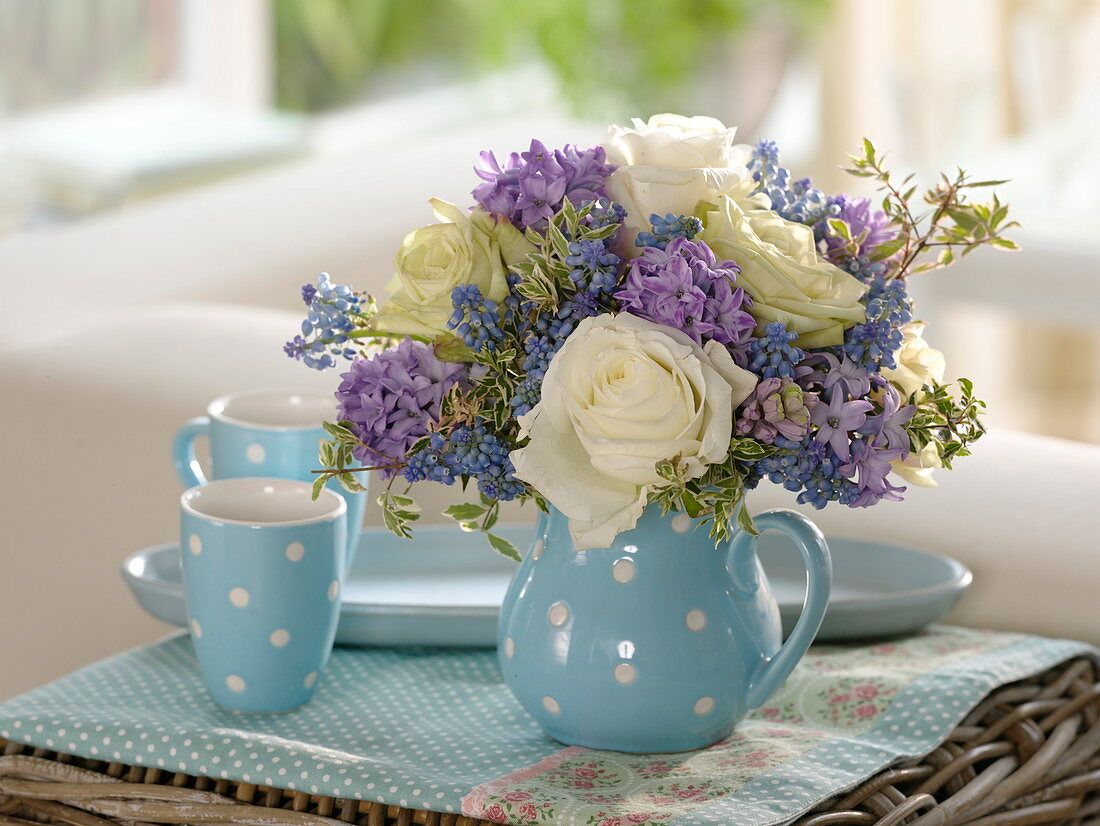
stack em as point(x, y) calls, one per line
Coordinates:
point(183, 451)
point(819, 569)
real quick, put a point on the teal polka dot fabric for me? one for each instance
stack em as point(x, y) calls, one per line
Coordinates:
point(437, 729)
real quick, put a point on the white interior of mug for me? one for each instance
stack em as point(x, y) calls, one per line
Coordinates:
point(261, 502)
point(274, 410)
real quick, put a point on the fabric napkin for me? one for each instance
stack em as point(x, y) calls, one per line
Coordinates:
point(437, 729)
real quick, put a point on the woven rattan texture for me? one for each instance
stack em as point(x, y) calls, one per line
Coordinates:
point(1028, 754)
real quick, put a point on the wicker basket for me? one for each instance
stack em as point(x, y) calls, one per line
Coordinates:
point(1027, 755)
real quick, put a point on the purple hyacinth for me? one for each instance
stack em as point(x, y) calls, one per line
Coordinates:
point(685, 287)
point(529, 188)
point(869, 466)
point(887, 429)
point(391, 399)
point(870, 228)
point(826, 371)
point(776, 407)
point(836, 419)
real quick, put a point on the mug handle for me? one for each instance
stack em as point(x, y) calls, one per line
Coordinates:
point(183, 451)
point(819, 567)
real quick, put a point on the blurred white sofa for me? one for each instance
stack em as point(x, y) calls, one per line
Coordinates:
point(116, 330)
point(88, 421)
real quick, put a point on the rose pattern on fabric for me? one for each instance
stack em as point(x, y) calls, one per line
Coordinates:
point(853, 702)
point(836, 690)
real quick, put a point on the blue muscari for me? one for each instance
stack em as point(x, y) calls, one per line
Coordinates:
point(595, 269)
point(811, 468)
point(472, 451)
point(329, 320)
point(795, 200)
point(605, 212)
point(773, 355)
point(595, 274)
point(874, 342)
point(544, 340)
point(476, 319)
point(669, 227)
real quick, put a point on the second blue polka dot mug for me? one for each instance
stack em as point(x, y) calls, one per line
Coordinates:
point(264, 433)
point(659, 643)
point(262, 562)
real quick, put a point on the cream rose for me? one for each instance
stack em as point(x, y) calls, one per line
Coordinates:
point(668, 165)
point(672, 141)
point(918, 363)
point(620, 396)
point(782, 270)
point(465, 248)
point(917, 468)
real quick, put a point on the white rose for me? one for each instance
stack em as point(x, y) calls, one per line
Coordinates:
point(671, 141)
point(668, 165)
point(782, 270)
point(620, 396)
point(917, 468)
point(464, 248)
point(918, 364)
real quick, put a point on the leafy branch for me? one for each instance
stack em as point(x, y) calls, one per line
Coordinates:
point(951, 424)
point(482, 517)
point(544, 275)
point(952, 223)
point(718, 496)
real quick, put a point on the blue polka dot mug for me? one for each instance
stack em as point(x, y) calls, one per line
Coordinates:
point(659, 643)
point(261, 574)
point(264, 433)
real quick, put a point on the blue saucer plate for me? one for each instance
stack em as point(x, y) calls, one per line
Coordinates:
point(444, 587)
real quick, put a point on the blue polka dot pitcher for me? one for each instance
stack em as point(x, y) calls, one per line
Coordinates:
point(659, 643)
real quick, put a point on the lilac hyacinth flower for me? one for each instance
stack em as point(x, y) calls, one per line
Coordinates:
point(529, 187)
point(540, 195)
point(826, 371)
point(851, 378)
point(887, 429)
point(870, 228)
point(836, 419)
point(686, 287)
point(870, 466)
point(391, 399)
point(500, 189)
point(776, 407)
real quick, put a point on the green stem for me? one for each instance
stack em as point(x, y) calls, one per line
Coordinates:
point(364, 333)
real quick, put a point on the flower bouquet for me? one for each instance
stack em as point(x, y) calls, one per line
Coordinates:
point(667, 319)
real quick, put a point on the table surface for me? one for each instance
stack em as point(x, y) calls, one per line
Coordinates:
point(438, 730)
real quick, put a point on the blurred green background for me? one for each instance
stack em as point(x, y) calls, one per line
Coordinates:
point(329, 52)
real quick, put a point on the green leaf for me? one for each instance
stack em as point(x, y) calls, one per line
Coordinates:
point(338, 431)
point(503, 547)
point(889, 249)
point(558, 241)
point(749, 450)
point(692, 506)
point(406, 502)
point(319, 485)
point(326, 455)
point(465, 512)
point(350, 483)
point(744, 521)
point(840, 228)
